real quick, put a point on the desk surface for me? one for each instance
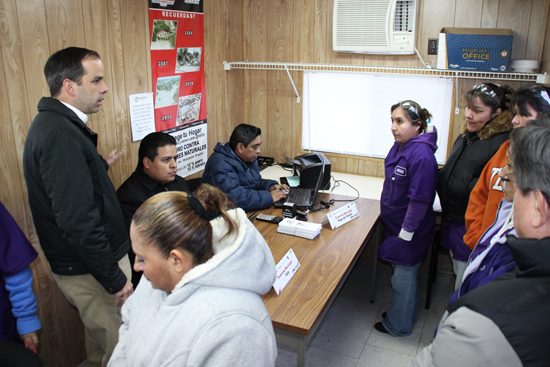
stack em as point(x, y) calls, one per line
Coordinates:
point(325, 263)
point(368, 186)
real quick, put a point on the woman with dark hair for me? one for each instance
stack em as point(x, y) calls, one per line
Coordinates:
point(198, 303)
point(527, 102)
point(406, 210)
point(492, 257)
point(488, 124)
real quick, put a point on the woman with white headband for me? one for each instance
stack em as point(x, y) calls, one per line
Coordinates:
point(527, 102)
point(406, 210)
point(487, 126)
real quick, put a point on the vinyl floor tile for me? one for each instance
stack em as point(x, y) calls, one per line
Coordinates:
point(379, 357)
point(341, 338)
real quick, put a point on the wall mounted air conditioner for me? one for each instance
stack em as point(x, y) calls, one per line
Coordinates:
point(374, 26)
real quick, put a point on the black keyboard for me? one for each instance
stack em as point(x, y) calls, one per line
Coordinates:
point(299, 196)
point(303, 198)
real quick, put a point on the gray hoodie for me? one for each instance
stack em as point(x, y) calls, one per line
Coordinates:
point(213, 317)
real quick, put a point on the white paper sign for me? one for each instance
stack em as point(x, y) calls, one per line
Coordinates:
point(192, 146)
point(286, 268)
point(142, 115)
point(342, 215)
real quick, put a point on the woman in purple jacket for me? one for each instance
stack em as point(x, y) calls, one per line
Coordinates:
point(406, 210)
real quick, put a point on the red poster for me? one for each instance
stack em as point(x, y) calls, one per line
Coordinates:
point(177, 62)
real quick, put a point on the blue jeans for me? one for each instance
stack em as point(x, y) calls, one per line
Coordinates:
point(402, 313)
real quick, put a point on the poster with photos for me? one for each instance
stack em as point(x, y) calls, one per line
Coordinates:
point(177, 62)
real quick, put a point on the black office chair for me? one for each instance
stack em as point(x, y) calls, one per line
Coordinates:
point(16, 355)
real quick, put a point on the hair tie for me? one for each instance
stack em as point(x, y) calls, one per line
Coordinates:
point(208, 215)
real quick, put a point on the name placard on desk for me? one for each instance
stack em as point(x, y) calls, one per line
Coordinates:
point(286, 268)
point(342, 215)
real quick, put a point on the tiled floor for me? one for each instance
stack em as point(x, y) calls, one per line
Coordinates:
point(347, 336)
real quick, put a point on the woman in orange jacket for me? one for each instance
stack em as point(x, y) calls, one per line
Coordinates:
point(527, 102)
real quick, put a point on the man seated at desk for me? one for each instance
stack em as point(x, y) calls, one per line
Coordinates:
point(155, 173)
point(234, 169)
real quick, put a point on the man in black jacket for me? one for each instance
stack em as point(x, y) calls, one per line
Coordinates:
point(73, 202)
point(506, 323)
point(156, 172)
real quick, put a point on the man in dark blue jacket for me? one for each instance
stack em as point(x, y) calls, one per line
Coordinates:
point(234, 169)
point(73, 201)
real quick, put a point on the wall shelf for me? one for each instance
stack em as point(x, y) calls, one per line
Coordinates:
point(522, 77)
point(402, 70)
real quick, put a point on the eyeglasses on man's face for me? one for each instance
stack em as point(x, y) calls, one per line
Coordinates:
point(508, 178)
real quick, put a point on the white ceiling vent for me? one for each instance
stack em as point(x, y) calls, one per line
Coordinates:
point(374, 26)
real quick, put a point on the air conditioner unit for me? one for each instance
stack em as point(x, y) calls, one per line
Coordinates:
point(374, 26)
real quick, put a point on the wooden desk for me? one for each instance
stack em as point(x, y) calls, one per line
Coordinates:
point(326, 262)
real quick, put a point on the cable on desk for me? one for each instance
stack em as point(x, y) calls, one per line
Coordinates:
point(337, 183)
point(327, 204)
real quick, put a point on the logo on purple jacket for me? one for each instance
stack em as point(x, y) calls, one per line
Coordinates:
point(401, 171)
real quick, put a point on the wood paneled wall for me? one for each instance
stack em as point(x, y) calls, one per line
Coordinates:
point(235, 30)
point(301, 31)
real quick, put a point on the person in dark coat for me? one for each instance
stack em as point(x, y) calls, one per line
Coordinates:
point(233, 168)
point(488, 124)
point(505, 322)
point(156, 172)
point(491, 256)
point(73, 201)
point(406, 210)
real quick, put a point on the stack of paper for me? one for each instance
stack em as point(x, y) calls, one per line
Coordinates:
point(299, 228)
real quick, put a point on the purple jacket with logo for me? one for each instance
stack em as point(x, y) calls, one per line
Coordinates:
point(407, 199)
point(493, 260)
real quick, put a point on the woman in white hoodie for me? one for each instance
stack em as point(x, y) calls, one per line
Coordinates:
point(198, 303)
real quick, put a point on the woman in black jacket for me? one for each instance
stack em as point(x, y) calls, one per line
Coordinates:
point(488, 124)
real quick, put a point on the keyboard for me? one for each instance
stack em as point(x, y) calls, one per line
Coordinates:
point(303, 198)
point(299, 196)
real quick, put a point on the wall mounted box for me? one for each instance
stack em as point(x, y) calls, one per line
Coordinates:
point(485, 49)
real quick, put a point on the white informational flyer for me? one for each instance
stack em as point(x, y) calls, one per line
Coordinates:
point(286, 268)
point(342, 215)
point(142, 115)
point(192, 146)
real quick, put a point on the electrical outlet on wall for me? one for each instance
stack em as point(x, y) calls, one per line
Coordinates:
point(432, 46)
